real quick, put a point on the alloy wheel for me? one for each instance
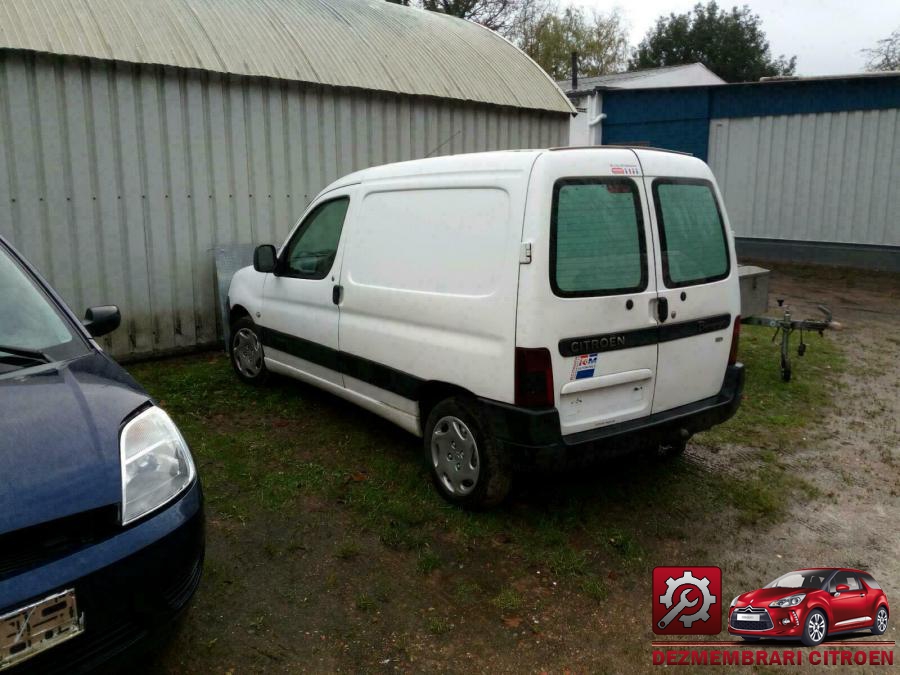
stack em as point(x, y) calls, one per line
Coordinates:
point(881, 620)
point(816, 627)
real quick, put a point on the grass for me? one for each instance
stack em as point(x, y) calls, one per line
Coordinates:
point(349, 550)
point(365, 602)
point(776, 414)
point(439, 625)
point(508, 600)
point(594, 588)
point(428, 561)
point(269, 451)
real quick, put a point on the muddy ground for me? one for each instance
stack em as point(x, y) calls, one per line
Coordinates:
point(356, 568)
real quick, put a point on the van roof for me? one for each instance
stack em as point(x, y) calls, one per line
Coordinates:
point(500, 160)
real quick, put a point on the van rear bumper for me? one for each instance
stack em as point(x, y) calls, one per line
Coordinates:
point(534, 436)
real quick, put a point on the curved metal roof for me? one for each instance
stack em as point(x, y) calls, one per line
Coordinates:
point(369, 44)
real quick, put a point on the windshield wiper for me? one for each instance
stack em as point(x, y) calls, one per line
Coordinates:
point(21, 352)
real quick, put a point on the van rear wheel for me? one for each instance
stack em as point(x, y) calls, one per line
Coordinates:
point(469, 467)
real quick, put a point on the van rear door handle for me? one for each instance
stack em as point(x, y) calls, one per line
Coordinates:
point(662, 309)
point(337, 294)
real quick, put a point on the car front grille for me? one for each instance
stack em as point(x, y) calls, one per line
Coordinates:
point(37, 545)
point(764, 623)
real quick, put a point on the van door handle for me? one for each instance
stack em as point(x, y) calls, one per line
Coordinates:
point(662, 309)
point(337, 294)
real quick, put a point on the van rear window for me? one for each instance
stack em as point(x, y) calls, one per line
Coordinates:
point(596, 238)
point(691, 232)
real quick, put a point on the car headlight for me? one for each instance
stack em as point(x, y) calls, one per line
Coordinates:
point(789, 601)
point(156, 463)
point(734, 602)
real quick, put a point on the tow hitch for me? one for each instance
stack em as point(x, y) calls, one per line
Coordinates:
point(786, 326)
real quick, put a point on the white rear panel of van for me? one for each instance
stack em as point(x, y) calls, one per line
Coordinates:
point(592, 293)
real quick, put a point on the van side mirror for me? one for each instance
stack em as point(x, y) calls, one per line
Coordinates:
point(264, 258)
point(101, 320)
point(842, 588)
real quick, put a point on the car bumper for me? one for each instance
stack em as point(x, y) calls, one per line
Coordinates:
point(793, 630)
point(535, 439)
point(129, 588)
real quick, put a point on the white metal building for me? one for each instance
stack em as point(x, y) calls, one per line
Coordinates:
point(136, 136)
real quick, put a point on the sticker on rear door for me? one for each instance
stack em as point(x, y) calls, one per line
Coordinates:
point(584, 366)
point(625, 170)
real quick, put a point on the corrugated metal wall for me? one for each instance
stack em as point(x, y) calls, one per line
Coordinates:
point(117, 181)
point(825, 177)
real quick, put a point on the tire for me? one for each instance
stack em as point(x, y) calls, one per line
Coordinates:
point(785, 370)
point(815, 629)
point(469, 467)
point(881, 621)
point(247, 352)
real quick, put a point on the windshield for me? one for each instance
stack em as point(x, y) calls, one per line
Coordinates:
point(801, 579)
point(32, 330)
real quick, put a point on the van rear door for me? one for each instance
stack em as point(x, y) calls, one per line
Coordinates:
point(696, 279)
point(589, 292)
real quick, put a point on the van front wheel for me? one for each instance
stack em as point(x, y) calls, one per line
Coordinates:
point(468, 466)
point(247, 352)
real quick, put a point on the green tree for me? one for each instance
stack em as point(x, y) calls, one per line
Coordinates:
point(885, 55)
point(498, 15)
point(730, 43)
point(551, 36)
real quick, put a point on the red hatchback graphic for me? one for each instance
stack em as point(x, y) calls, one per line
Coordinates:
point(809, 605)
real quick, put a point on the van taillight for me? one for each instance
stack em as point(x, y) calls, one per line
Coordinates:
point(735, 339)
point(534, 378)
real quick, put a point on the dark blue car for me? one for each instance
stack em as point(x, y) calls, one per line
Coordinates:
point(101, 511)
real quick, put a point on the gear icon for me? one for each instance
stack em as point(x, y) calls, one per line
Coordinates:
point(701, 584)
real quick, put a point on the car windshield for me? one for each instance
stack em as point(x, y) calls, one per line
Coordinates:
point(32, 330)
point(801, 579)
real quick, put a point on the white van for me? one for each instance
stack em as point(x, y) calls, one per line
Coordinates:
point(509, 307)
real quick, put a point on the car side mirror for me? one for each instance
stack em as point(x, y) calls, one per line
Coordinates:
point(842, 588)
point(264, 258)
point(101, 320)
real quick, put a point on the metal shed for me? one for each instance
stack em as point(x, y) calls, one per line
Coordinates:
point(136, 136)
point(809, 167)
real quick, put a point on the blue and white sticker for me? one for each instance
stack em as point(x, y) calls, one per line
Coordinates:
point(584, 366)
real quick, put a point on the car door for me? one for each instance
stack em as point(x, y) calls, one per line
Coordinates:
point(698, 295)
point(849, 608)
point(300, 312)
point(597, 313)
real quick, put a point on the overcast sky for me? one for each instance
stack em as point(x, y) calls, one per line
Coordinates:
point(826, 35)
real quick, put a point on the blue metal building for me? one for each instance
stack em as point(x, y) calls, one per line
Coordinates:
point(810, 168)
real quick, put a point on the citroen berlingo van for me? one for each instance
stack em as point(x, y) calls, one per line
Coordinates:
point(511, 308)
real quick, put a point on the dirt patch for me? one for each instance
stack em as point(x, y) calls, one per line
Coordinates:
point(852, 456)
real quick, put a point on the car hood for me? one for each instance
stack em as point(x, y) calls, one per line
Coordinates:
point(59, 439)
point(763, 596)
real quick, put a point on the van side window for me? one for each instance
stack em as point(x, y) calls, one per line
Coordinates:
point(311, 252)
point(691, 232)
point(596, 238)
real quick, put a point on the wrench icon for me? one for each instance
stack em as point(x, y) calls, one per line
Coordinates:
point(680, 605)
